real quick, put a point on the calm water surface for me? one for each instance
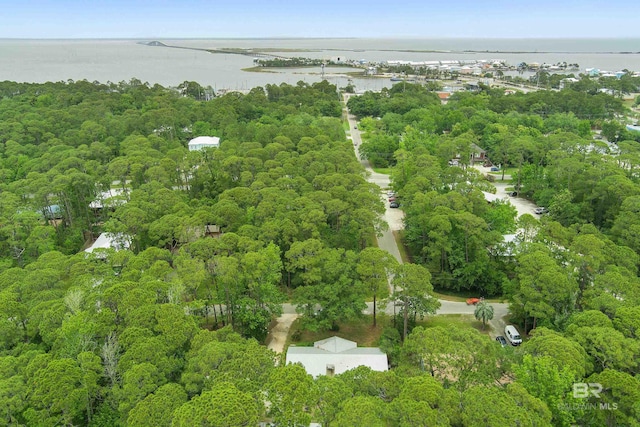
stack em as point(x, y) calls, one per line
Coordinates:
point(117, 60)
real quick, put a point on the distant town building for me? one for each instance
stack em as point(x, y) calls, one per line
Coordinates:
point(592, 72)
point(201, 142)
point(568, 81)
point(444, 96)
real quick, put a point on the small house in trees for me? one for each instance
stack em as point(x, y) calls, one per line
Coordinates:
point(212, 230)
point(116, 241)
point(444, 97)
point(111, 198)
point(202, 142)
point(108, 201)
point(477, 155)
point(490, 197)
point(193, 233)
point(509, 247)
point(52, 212)
point(335, 355)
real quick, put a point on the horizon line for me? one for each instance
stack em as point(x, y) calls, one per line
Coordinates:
point(327, 38)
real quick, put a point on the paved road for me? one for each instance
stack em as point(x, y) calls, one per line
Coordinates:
point(522, 205)
point(447, 307)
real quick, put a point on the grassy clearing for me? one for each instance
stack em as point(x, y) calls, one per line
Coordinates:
point(386, 171)
point(360, 331)
point(459, 320)
point(404, 251)
point(507, 171)
point(372, 239)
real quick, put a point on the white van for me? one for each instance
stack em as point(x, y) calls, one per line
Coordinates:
point(512, 335)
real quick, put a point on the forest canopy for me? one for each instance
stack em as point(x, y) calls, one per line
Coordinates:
point(170, 331)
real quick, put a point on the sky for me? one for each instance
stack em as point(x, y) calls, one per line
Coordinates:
point(321, 18)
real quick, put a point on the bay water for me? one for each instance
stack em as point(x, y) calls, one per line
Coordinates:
point(115, 60)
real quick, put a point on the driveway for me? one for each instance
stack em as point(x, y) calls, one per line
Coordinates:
point(523, 206)
point(278, 334)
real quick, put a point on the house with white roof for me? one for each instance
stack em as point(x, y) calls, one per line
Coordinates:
point(335, 355)
point(202, 142)
point(111, 198)
point(116, 241)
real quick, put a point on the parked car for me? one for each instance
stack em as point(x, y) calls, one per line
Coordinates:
point(540, 211)
point(473, 301)
point(392, 199)
point(512, 335)
point(391, 193)
point(513, 193)
point(394, 205)
point(495, 169)
point(502, 340)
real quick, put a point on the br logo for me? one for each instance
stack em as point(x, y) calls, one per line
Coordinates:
point(585, 390)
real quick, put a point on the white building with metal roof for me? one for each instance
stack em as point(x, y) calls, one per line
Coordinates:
point(201, 142)
point(335, 355)
point(116, 241)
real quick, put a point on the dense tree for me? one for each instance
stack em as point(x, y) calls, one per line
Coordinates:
point(552, 384)
point(374, 267)
point(490, 406)
point(412, 288)
point(157, 408)
point(453, 355)
point(545, 291)
point(358, 410)
point(292, 393)
point(224, 405)
point(282, 207)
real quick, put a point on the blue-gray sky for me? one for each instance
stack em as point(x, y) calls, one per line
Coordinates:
point(321, 18)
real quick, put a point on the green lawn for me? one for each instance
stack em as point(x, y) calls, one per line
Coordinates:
point(459, 320)
point(507, 171)
point(386, 171)
point(363, 332)
point(360, 331)
point(404, 251)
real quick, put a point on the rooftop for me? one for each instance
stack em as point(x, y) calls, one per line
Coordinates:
point(336, 355)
